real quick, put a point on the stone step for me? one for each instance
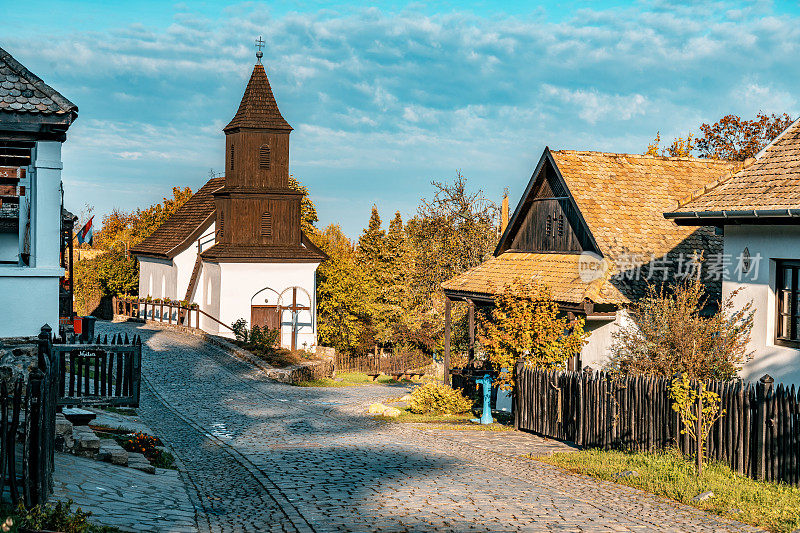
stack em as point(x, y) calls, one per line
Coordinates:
point(140, 462)
point(87, 444)
point(113, 453)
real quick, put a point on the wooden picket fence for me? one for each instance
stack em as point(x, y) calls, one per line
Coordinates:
point(759, 435)
point(385, 363)
point(99, 372)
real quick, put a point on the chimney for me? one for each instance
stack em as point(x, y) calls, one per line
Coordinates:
point(504, 214)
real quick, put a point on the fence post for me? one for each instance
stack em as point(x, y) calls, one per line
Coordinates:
point(764, 392)
point(515, 400)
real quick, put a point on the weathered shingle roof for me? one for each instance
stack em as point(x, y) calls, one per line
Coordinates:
point(560, 272)
point(623, 197)
point(770, 182)
point(258, 108)
point(192, 217)
point(22, 91)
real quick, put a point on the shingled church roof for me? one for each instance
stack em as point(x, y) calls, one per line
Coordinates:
point(258, 108)
point(185, 224)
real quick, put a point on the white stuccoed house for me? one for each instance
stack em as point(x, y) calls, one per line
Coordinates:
point(34, 119)
point(236, 247)
point(758, 211)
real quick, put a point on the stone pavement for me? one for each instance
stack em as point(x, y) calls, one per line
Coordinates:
point(263, 456)
point(124, 497)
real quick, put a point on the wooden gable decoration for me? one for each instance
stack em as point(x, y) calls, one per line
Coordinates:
point(547, 218)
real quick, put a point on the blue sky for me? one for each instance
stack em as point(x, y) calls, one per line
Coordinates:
point(385, 99)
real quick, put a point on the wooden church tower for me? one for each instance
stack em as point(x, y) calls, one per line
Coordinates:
point(257, 213)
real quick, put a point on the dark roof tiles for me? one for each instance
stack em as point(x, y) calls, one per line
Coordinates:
point(22, 91)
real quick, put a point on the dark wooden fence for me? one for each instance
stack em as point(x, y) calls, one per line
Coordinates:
point(27, 429)
point(99, 372)
point(386, 363)
point(759, 435)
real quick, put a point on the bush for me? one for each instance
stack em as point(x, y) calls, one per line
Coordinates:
point(669, 335)
point(58, 517)
point(438, 399)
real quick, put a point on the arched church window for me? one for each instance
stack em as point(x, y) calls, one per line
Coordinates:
point(232, 153)
point(264, 157)
point(266, 224)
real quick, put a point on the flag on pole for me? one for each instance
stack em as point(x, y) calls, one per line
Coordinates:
point(85, 233)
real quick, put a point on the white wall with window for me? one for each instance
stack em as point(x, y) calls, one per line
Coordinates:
point(772, 284)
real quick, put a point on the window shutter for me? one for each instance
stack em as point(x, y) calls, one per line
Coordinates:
point(264, 157)
point(266, 224)
point(560, 225)
point(232, 153)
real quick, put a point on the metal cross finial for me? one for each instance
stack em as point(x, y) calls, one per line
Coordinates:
point(259, 45)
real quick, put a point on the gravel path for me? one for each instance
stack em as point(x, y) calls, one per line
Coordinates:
point(263, 456)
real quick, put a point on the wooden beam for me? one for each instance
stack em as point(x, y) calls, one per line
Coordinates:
point(446, 362)
point(471, 311)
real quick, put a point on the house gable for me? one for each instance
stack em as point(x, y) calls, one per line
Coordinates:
point(547, 219)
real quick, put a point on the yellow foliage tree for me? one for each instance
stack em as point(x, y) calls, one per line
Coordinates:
point(526, 323)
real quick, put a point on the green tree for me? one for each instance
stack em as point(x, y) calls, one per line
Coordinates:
point(525, 323)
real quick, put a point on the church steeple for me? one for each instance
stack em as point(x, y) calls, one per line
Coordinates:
point(258, 108)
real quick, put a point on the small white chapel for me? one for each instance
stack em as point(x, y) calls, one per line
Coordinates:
point(236, 248)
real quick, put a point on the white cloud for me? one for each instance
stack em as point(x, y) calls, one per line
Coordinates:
point(412, 96)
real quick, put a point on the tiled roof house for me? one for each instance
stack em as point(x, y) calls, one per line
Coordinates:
point(588, 225)
point(34, 119)
point(757, 209)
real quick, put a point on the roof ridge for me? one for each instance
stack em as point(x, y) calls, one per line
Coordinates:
point(37, 82)
point(647, 156)
point(708, 187)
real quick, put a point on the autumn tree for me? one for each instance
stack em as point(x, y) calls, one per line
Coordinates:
point(526, 324)
point(451, 233)
point(737, 139)
point(668, 334)
point(308, 211)
point(731, 137)
point(343, 294)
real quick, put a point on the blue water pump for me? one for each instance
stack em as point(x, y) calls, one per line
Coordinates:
point(486, 416)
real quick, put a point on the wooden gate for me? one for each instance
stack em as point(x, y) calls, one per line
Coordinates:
point(100, 373)
point(268, 316)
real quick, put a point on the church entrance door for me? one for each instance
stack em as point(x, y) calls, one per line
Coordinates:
point(266, 316)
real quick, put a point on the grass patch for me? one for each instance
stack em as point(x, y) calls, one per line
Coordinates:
point(774, 506)
point(455, 422)
point(349, 379)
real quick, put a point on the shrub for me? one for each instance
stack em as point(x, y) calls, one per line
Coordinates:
point(525, 323)
point(668, 335)
point(58, 517)
point(438, 399)
point(148, 446)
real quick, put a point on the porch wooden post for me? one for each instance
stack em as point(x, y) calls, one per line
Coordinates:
point(471, 305)
point(446, 362)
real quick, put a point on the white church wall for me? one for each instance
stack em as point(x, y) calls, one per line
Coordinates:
point(241, 281)
point(185, 260)
point(771, 243)
point(209, 290)
point(157, 278)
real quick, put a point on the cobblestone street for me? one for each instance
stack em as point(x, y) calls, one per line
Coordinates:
point(263, 456)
